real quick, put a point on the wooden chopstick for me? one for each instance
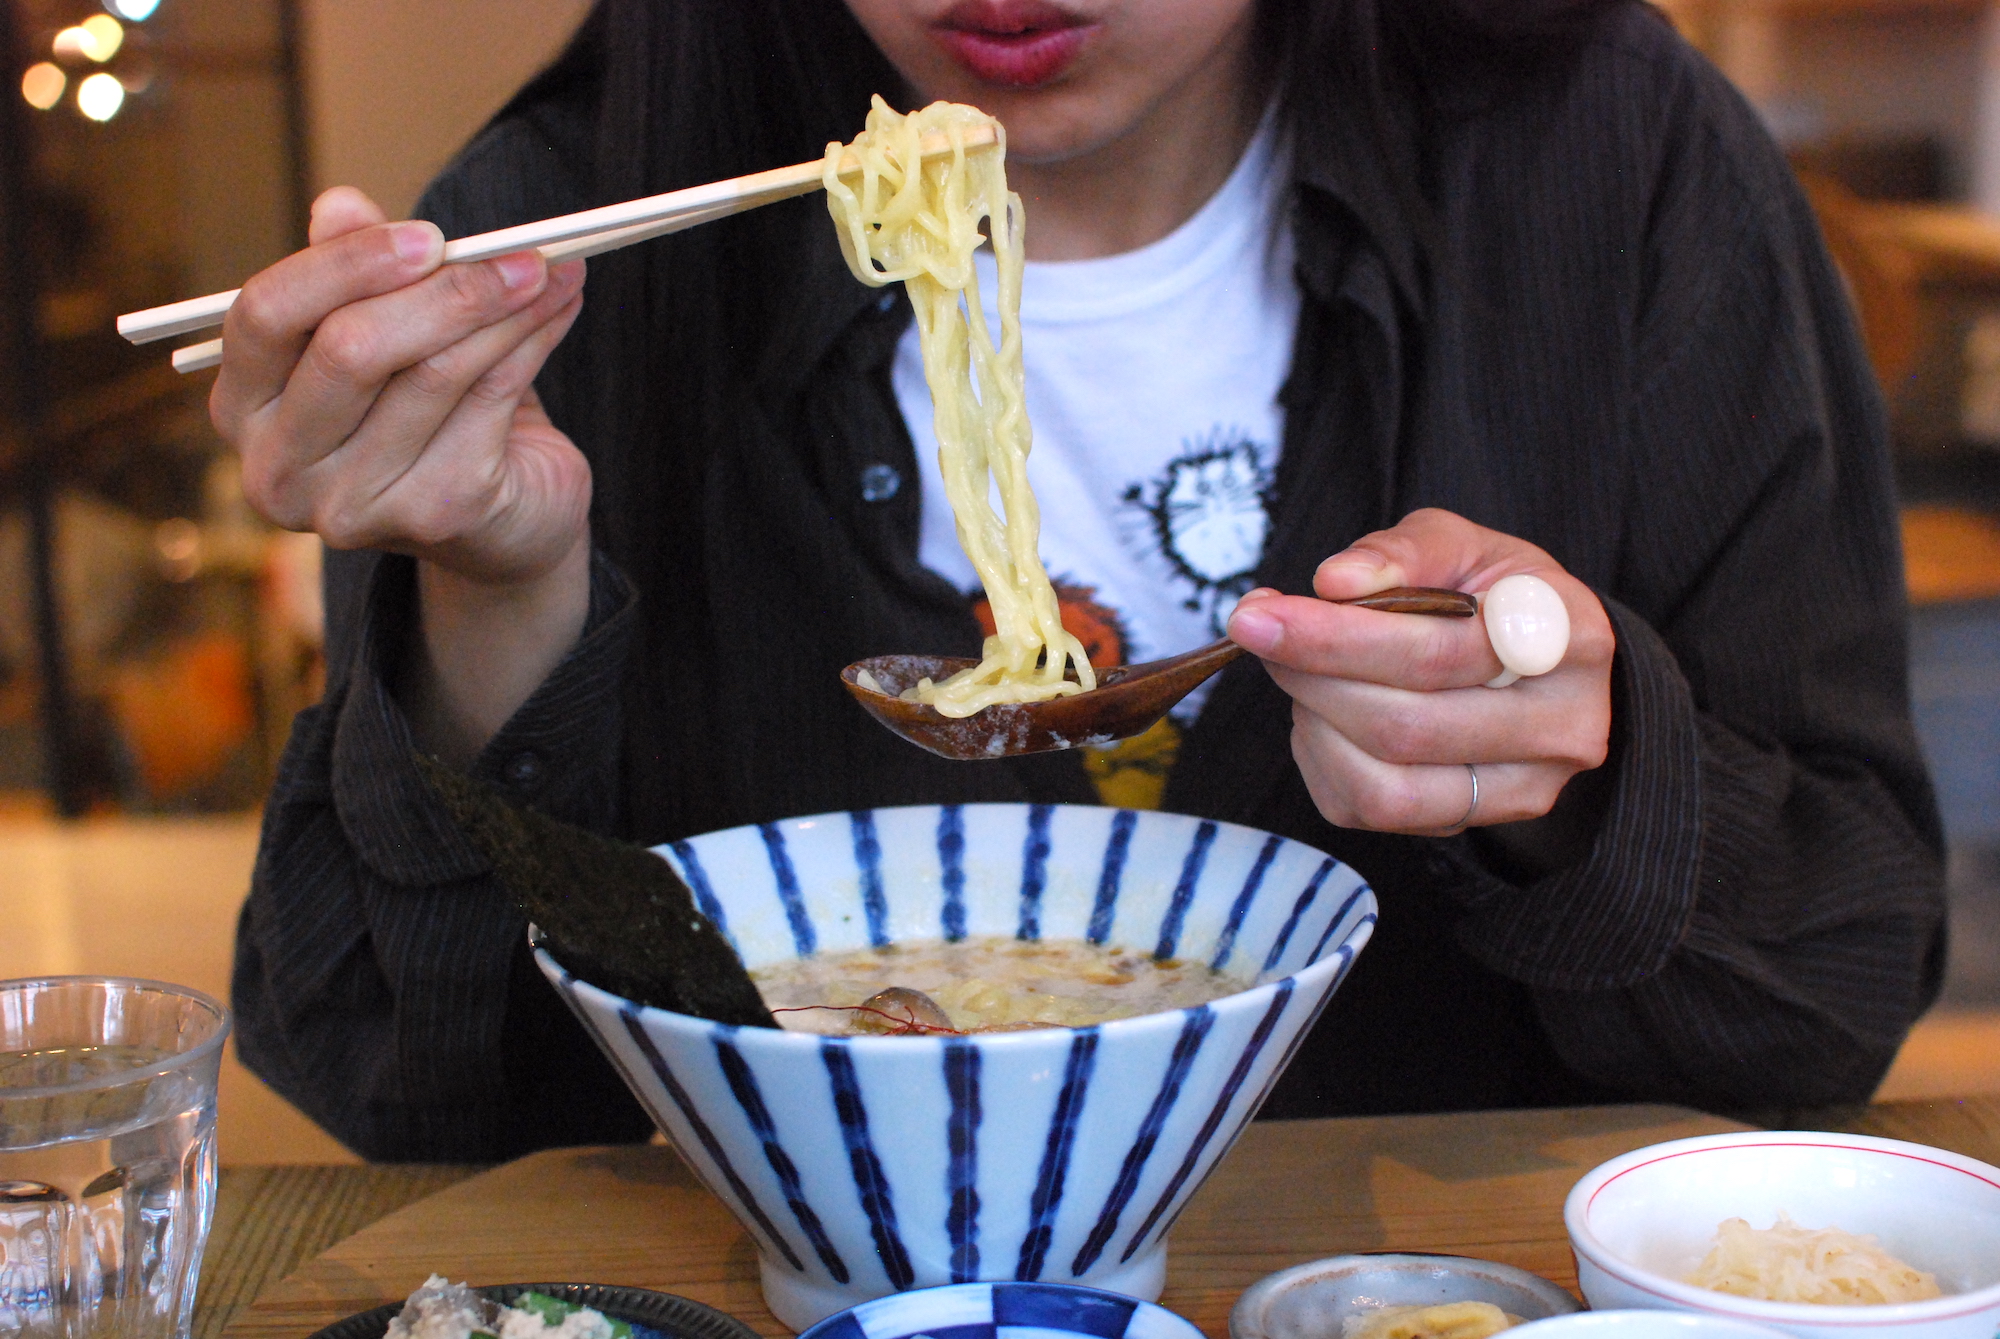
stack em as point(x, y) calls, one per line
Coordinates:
point(569, 237)
point(195, 357)
point(208, 353)
point(182, 318)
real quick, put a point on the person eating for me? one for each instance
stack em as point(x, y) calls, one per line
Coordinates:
point(1322, 297)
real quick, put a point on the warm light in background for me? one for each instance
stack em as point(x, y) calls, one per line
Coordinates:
point(43, 86)
point(99, 97)
point(133, 11)
point(96, 38)
point(107, 33)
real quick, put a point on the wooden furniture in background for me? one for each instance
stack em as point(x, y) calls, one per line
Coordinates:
point(1881, 275)
point(1950, 553)
point(1910, 270)
point(1748, 38)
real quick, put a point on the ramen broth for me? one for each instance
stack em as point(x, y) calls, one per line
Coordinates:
point(983, 984)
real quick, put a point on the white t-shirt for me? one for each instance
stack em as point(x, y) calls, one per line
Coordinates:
point(1152, 384)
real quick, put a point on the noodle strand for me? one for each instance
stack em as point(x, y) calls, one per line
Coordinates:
point(916, 222)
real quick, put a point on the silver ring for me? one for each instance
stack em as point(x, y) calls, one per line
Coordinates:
point(1473, 807)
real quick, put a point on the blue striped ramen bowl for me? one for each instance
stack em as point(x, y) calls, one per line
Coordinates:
point(863, 1166)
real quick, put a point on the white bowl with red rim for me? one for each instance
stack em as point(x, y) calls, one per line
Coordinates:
point(1642, 1324)
point(1641, 1223)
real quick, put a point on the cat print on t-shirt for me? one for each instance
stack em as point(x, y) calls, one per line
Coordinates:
point(1203, 520)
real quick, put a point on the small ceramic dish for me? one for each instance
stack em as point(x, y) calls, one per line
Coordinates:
point(651, 1315)
point(1641, 1223)
point(1644, 1325)
point(991, 1310)
point(1310, 1301)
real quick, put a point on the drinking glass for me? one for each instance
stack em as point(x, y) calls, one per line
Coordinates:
point(107, 1155)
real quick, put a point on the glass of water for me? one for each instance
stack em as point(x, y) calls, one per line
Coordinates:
point(107, 1155)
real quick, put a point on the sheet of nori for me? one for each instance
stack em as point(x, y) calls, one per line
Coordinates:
point(615, 914)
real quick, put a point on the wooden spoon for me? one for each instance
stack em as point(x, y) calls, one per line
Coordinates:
point(1127, 699)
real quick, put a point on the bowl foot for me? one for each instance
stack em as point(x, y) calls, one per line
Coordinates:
point(800, 1302)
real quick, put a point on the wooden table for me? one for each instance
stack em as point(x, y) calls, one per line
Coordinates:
point(1488, 1184)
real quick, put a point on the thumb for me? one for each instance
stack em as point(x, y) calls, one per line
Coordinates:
point(340, 211)
point(1358, 571)
point(1430, 547)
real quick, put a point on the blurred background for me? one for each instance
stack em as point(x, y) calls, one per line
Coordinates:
point(155, 638)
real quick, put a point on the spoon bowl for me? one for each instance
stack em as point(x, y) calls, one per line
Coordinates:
point(1127, 699)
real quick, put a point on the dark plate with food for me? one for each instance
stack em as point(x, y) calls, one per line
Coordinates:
point(512, 1310)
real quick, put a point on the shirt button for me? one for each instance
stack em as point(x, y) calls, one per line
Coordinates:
point(524, 770)
point(879, 483)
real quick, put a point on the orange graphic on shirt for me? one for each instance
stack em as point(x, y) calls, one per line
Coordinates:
point(1132, 773)
point(1096, 625)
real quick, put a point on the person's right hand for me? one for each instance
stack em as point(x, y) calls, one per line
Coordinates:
point(385, 400)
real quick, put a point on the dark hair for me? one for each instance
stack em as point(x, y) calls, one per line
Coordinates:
point(687, 91)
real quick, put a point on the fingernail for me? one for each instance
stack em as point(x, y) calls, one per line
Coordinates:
point(415, 242)
point(519, 271)
point(1360, 559)
point(1261, 593)
point(1254, 630)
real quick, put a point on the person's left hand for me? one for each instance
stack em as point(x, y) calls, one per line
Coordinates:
point(1388, 709)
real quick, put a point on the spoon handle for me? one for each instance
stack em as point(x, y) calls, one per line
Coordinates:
point(1173, 677)
point(1419, 600)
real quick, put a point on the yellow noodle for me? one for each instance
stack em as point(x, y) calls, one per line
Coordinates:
point(1789, 1263)
point(921, 228)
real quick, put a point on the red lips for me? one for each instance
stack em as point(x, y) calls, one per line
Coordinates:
point(1015, 43)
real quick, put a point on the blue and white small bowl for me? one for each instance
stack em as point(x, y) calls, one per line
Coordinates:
point(863, 1166)
point(1005, 1311)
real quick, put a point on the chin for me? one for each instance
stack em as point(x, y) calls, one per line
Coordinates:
point(1047, 125)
